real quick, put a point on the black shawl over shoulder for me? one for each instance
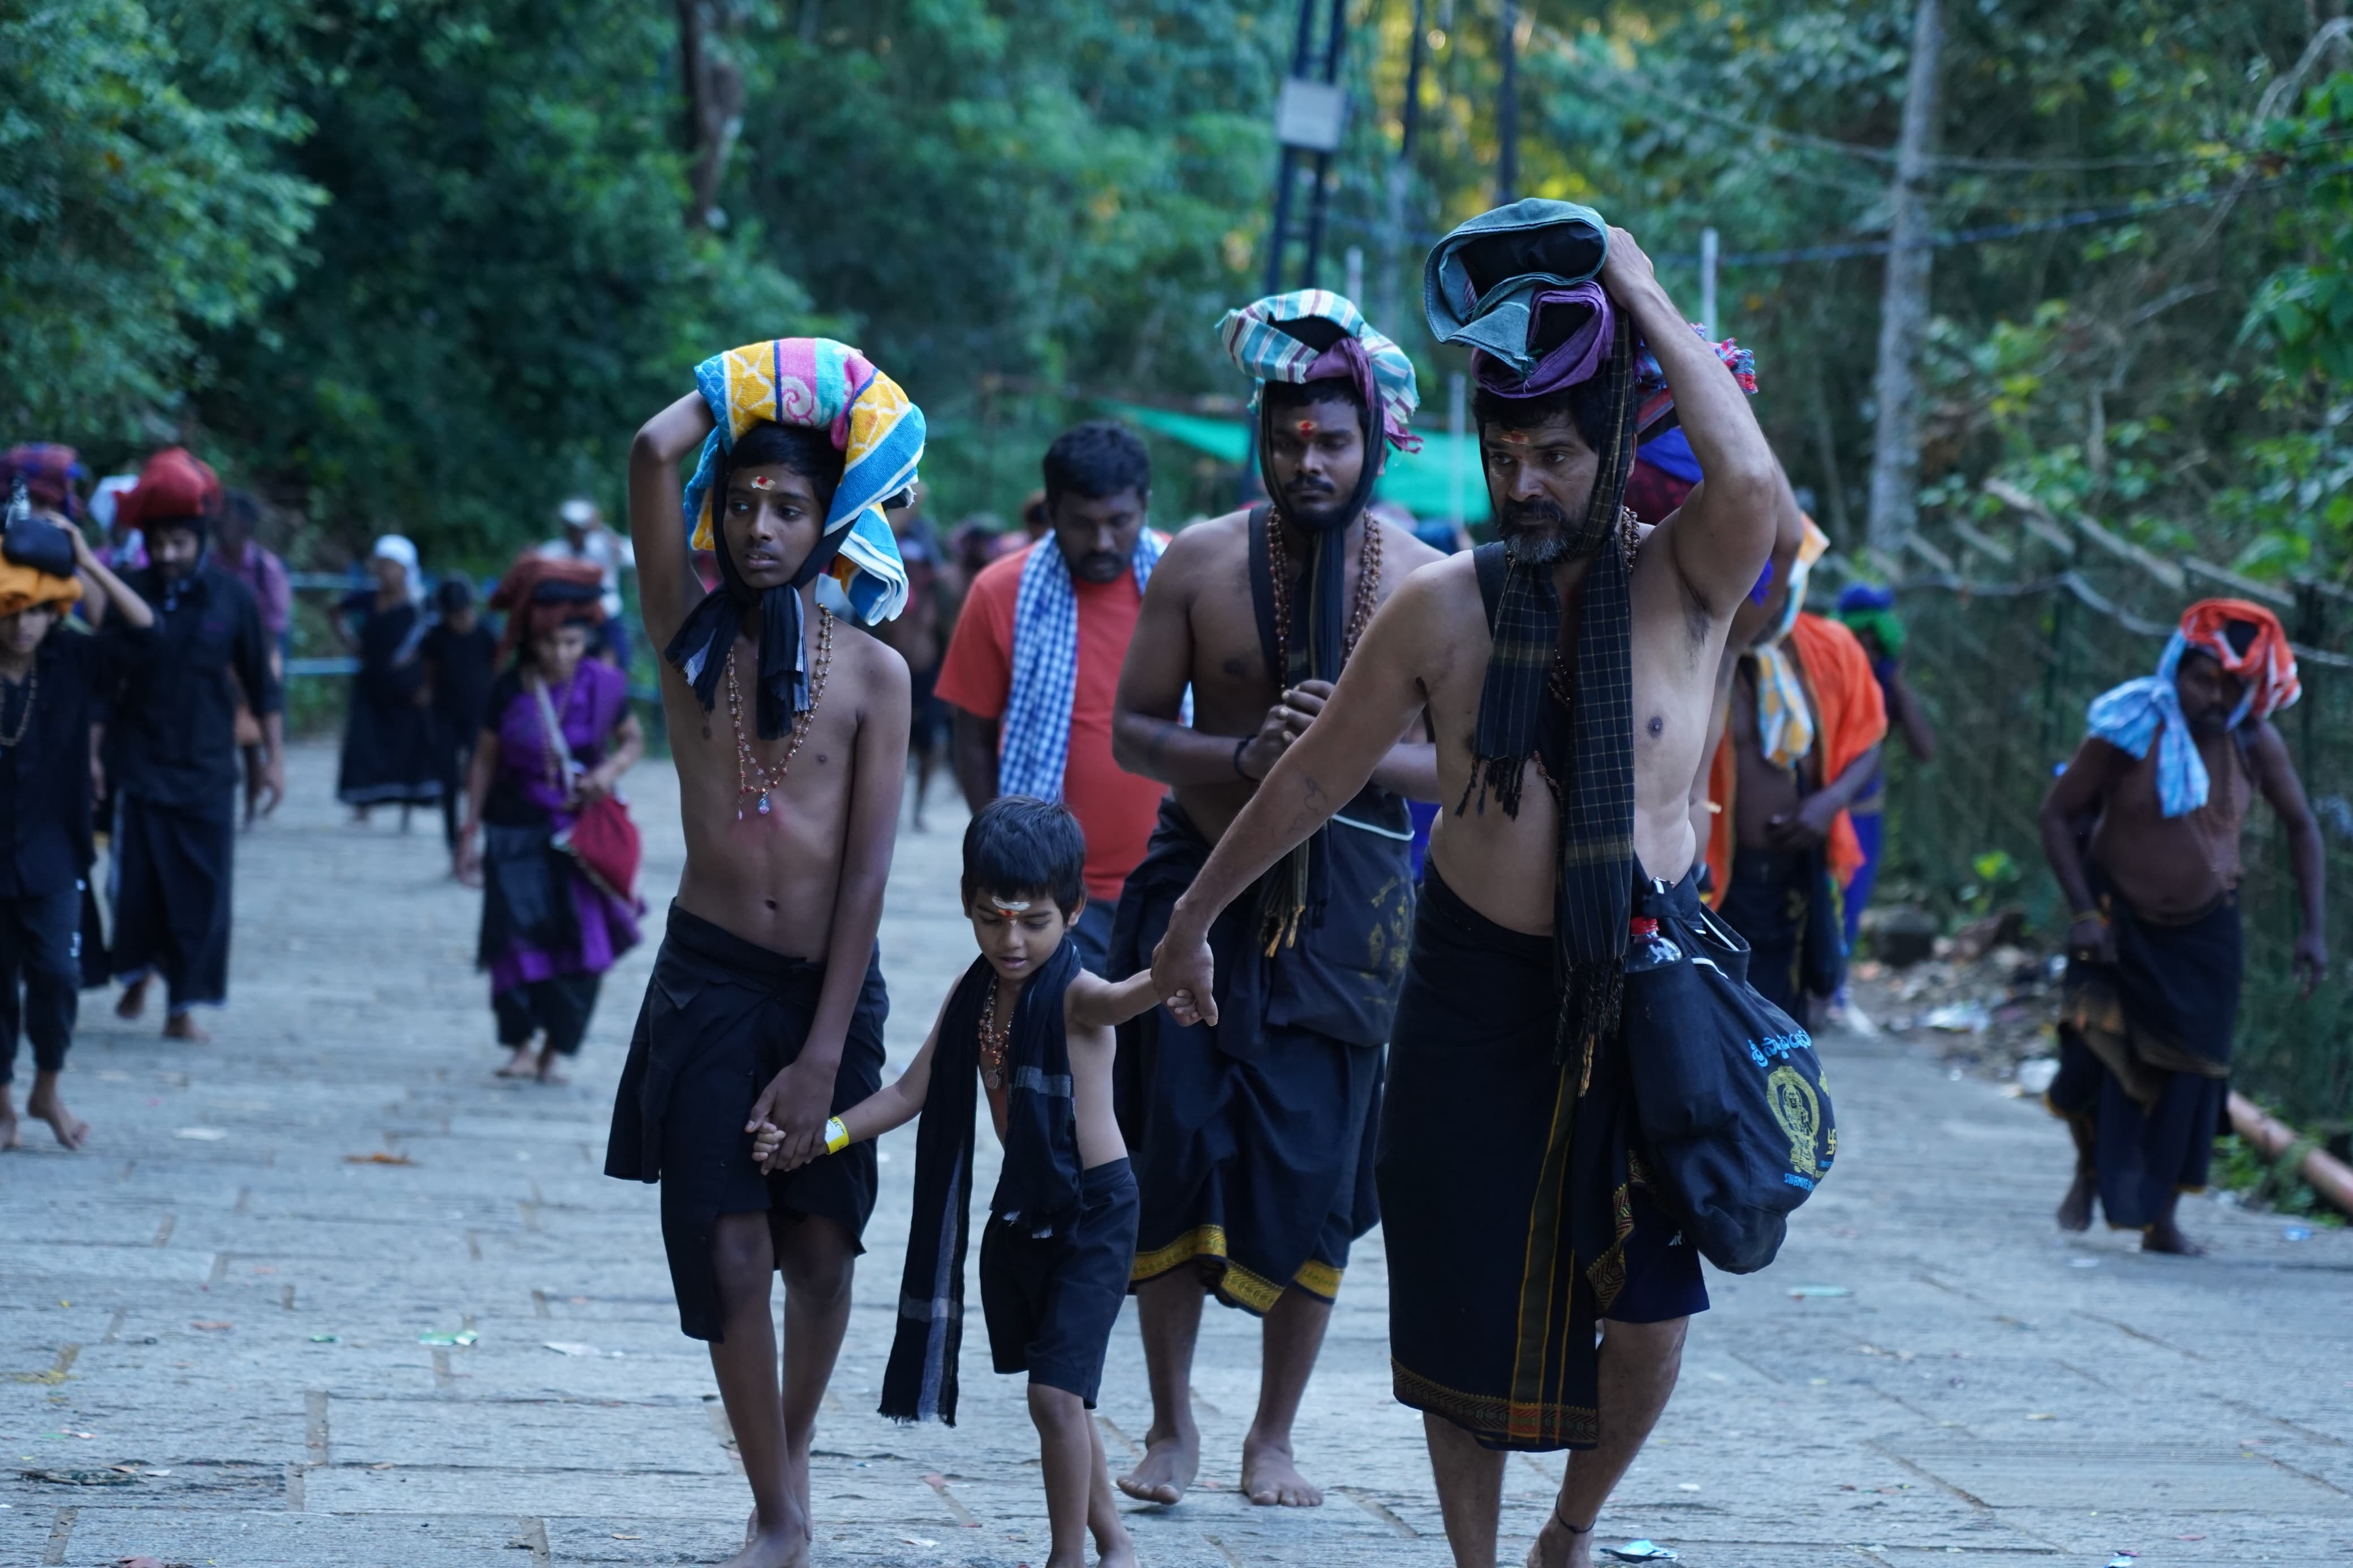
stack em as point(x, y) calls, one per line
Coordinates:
point(1038, 1187)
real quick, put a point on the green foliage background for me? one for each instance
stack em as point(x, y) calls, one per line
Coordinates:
point(425, 264)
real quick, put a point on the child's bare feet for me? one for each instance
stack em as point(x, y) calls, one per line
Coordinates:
point(46, 1104)
point(134, 1001)
point(548, 1072)
point(183, 1026)
point(519, 1064)
point(1170, 1461)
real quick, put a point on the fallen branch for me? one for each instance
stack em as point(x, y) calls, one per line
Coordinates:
point(2328, 1175)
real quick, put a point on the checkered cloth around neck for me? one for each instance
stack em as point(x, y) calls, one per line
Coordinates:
point(1046, 668)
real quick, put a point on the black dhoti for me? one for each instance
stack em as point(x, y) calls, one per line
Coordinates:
point(1254, 1140)
point(2145, 1053)
point(172, 890)
point(1788, 908)
point(722, 1017)
point(40, 948)
point(1467, 1193)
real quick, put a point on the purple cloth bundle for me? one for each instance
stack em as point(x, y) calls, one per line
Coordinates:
point(1576, 318)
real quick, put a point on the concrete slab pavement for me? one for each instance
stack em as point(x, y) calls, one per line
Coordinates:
point(223, 1294)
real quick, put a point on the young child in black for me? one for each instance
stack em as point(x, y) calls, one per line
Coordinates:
point(1034, 1030)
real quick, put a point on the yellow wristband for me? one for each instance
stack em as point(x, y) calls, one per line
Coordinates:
point(836, 1136)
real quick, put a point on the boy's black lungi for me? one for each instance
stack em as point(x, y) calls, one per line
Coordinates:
point(722, 1017)
point(1050, 1301)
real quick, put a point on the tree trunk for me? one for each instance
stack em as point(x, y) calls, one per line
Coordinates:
point(714, 108)
point(1903, 306)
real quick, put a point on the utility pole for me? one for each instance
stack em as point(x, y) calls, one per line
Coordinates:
point(1308, 119)
point(1507, 110)
point(1904, 304)
point(1336, 34)
point(1402, 170)
point(1707, 282)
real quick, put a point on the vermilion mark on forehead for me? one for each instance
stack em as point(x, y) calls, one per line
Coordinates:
point(1008, 906)
point(1516, 437)
point(1307, 427)
point(763, 482)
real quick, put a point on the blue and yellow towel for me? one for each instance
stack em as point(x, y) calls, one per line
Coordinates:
point(821, 384)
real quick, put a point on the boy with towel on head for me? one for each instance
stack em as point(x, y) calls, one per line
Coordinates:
point(766, 1003)
point(1035, 1028)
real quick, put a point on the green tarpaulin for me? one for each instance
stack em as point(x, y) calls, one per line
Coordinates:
point(1422, 482)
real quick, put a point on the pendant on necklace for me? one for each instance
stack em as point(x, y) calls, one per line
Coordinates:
point(764, 803)
point(992, 1078)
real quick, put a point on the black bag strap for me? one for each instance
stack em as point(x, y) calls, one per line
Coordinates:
point(1493, 563)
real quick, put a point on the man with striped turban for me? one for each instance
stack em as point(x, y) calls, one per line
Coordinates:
point(766, 1003)
point(1254, 1151)
point(2142, 831)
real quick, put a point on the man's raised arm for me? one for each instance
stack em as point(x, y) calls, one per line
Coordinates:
point(1321, 772)
point(1721, 535)
point(666, 586)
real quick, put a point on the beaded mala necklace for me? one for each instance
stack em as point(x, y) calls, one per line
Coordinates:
point(1630, 537)
point(994, 1041)
point(751, 777)
point(32, 694)
point(1368, 591)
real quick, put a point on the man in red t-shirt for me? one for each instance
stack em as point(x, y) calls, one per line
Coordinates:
point(1034, 665)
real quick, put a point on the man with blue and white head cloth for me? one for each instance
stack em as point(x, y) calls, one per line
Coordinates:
point(1254, 1159)
point(2142, 833)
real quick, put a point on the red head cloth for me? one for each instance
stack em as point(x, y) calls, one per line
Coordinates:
point(174, 487)
point(539, 593)
point(2268, 665)
point(48, 471)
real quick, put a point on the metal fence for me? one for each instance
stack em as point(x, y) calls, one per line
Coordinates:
point(2007, 645)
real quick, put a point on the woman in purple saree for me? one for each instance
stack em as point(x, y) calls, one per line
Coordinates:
point(557, 734)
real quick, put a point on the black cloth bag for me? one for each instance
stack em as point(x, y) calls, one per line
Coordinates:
point(1727, 1085)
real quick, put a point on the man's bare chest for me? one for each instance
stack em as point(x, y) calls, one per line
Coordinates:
point(1246, 627)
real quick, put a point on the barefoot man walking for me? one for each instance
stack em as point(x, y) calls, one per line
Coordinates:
point(1254, 1159)
point(2161, 787)
point(1569, 675)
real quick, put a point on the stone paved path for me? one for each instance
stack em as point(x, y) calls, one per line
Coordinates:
point(224, 1295)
